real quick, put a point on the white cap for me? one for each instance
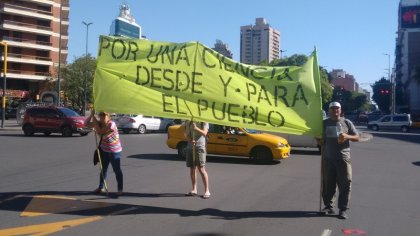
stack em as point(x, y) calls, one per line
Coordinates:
point(335, 104)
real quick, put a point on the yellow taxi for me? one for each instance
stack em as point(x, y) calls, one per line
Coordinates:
point(234, 142)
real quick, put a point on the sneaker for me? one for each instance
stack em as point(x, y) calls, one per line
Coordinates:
point(343, 215)
point(327, 211)
point(99, 191)
point(119, 193)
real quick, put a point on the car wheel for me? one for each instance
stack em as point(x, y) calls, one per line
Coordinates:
point(404, 129)
point(375, 128)
point(84, 134)
point(47, 133)
point(262, 154)
point(182, 150)
point(141, 129)
point(28, 130)
point(126, 131)
point(66, 131)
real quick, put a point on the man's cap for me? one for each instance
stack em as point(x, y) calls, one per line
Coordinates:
point(335, 104)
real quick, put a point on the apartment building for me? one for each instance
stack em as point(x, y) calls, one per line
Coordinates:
point(259, 42)
point(31, 29)
point(407, 58)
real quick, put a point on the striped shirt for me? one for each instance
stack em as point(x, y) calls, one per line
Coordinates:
point(111, 141)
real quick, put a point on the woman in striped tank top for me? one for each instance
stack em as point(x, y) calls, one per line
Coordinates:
point(111, 148)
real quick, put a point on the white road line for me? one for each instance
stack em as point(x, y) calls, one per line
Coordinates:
point(327, 232)
point(123, 211)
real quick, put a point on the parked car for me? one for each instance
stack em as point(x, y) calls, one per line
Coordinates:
point(10, 113)
point(142, 124)
point(303, 140)
point(374, 115)
point(392, 122)
point(52, 119)
point(242, 142)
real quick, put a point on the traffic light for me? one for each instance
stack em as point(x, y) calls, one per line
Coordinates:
point(384, 91)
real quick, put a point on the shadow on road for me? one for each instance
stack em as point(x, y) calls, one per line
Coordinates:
point(406, 137)
point(304, 151)
point(210, 158)
point(39, 203)
point(416, 163)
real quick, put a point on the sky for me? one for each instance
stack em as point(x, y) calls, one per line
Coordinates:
point(350, 35)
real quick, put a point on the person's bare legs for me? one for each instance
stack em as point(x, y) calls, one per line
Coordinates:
point(205, 178)
point(193, 175)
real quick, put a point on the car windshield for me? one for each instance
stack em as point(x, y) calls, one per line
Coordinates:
point(252, 131)
point(68, 112)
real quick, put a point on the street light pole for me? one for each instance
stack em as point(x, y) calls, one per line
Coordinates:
point(86, 65)
point(281, 53)
point(3, 101)
point(392, 84)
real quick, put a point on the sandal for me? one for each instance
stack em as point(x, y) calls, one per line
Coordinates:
point(191, 194)
point(206, 196)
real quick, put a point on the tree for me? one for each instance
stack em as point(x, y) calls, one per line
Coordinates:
point(382, 94)
point(78, 79)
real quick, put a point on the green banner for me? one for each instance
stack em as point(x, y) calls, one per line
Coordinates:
point(191, 81)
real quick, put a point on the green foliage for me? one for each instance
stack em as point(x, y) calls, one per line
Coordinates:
point(78, 79)
point(382, 94)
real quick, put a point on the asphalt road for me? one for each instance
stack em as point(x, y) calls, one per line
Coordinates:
point(45, 185)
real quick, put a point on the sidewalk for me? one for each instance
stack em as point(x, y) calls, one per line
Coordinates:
point(10, 125)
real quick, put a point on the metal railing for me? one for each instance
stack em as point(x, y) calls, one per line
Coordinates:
point(33, 26)
point(21, 40)
point(28, 9)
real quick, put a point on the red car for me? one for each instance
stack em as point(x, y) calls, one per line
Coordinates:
point(52, 119)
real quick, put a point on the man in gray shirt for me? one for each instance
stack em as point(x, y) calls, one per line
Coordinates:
point(336, 164)
point(196, 133)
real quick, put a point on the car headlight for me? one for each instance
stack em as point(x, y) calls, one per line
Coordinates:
point(281, 145)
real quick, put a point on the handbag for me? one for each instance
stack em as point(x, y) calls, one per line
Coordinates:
point(98, 152)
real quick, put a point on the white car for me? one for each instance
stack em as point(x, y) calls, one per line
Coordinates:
point(142, 124)
point(300, 141)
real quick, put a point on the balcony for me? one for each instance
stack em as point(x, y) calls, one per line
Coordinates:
point(29, 75)
point(26, 43)
point(29, 59)
point(27, 12)
point(44, 2)
point(25, 27)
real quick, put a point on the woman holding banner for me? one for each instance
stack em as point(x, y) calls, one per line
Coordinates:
point(196, 133)
point(111, 148)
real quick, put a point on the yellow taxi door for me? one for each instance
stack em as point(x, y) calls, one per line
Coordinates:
point(227, 144)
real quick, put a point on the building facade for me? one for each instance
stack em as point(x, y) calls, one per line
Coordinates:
point(346, 81)
point(222, 48)
point(259, 42)
point(407, 57)
point(125, 25)
point(31, 29)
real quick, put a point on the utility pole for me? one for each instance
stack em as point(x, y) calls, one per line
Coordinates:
point(59, 58)
point(392, 84)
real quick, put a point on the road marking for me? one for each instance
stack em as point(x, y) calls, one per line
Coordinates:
point(49, 228)
point(11, 198)
point(44, 205)
point(327, 232)
point(123, 211)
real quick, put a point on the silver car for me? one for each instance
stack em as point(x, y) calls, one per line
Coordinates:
point(392, 122)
